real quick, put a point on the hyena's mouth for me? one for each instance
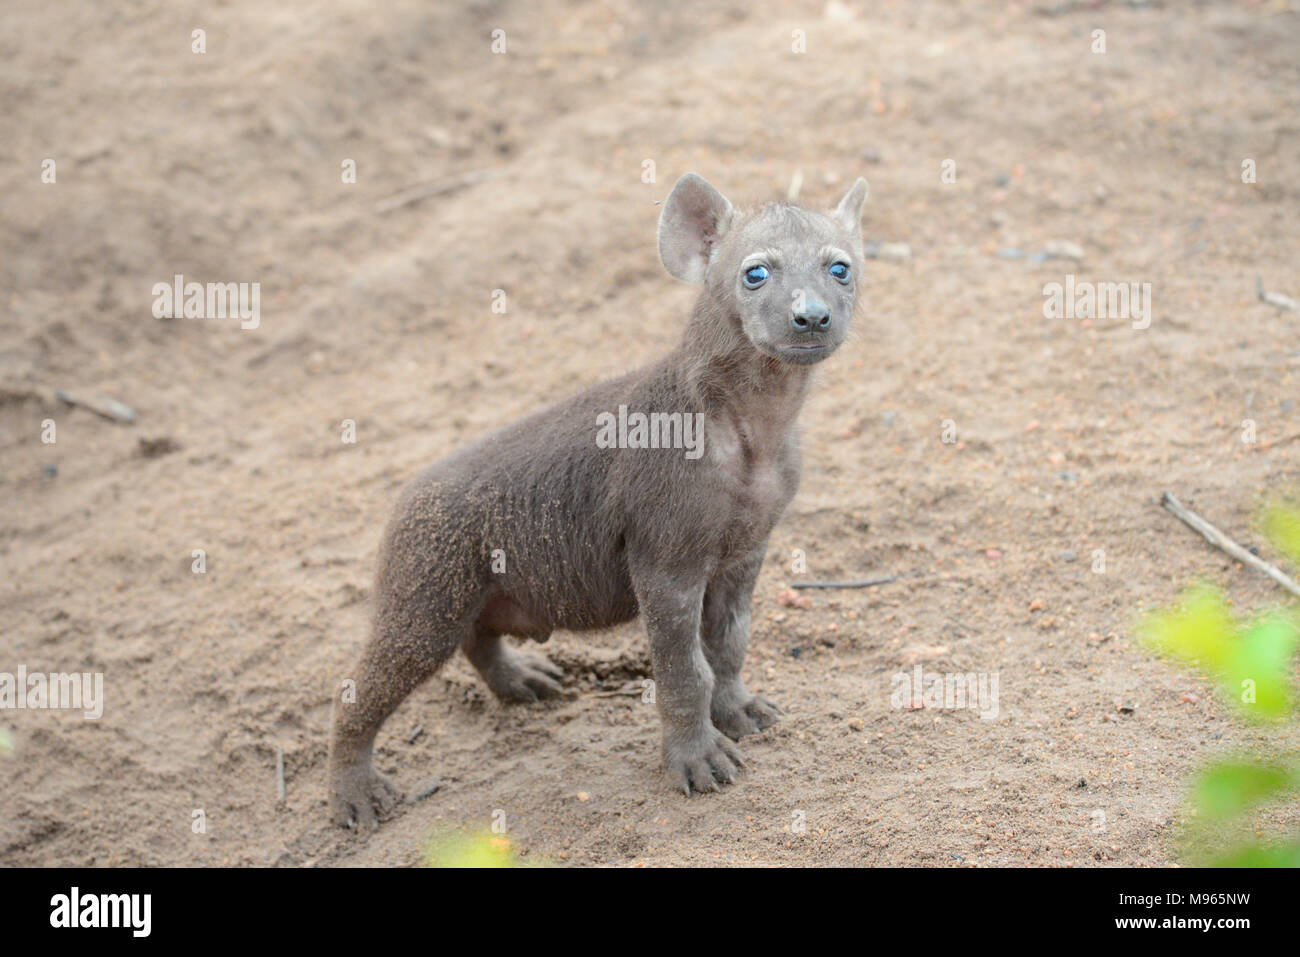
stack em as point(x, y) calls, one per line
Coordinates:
point(804, 352)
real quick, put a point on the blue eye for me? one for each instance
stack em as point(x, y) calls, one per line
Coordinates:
point(840, 271)
point(755, 276)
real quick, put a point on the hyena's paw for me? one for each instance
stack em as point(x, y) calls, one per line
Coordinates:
point(361, 797)
point(703, 762)
point(520, 677)
point(748, 717)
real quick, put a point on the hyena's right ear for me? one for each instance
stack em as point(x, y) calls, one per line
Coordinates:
point(694, 218)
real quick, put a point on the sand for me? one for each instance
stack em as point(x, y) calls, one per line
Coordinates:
point(226, 166)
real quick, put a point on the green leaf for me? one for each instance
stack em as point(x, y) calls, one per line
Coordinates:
point(1259, 665)
point(1254, 855)
point(1282, 526)
point(6, 742)
point(1251, 667)
point(474, 850)
point(1198, 630)
point(1228, 788)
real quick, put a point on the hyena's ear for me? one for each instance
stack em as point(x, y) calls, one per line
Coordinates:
point(694, 218)
point(849, 212)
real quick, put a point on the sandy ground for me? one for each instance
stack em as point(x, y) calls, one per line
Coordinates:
point(226, 166)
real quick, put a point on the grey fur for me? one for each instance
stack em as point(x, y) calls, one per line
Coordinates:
point(595, 536)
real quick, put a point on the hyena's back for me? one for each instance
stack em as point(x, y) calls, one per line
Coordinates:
point(479, 535)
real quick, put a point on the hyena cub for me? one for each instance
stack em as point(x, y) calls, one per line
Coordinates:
point(542, 526)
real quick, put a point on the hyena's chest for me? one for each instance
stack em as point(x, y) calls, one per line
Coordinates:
point(756, 482)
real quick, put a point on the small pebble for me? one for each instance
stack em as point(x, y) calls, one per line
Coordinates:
point(1062, 249)
point(156, 448)
point(892, 252)
point(792, 599)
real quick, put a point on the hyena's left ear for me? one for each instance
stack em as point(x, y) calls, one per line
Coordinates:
point(849, 212)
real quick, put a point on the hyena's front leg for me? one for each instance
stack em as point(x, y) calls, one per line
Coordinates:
point(698, 756)
point(725, 632)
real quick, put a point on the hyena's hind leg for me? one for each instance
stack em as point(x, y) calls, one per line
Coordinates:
point(403, 651)
point(514, 674)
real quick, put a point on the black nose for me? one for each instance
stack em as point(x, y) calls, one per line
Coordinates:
point(813, 316)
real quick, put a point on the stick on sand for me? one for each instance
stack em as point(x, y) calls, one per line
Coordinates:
point(1275, 298)
point(100, 405)
point(1223, 542)
point(857, 583)
point(449, 185)
point(279, 773)
point(1265, 446)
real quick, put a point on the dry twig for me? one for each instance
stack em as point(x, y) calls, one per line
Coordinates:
point(437, 188)
point(856, 583)
point(1224, 543)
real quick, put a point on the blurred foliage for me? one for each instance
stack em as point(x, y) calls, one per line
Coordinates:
point(1229, 788)
point(6, 743)
point(1255, 855)
point(1251, 663)
point(483, 849)
point(1281, 523)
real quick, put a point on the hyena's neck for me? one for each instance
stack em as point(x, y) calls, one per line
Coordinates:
point(727, 375)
